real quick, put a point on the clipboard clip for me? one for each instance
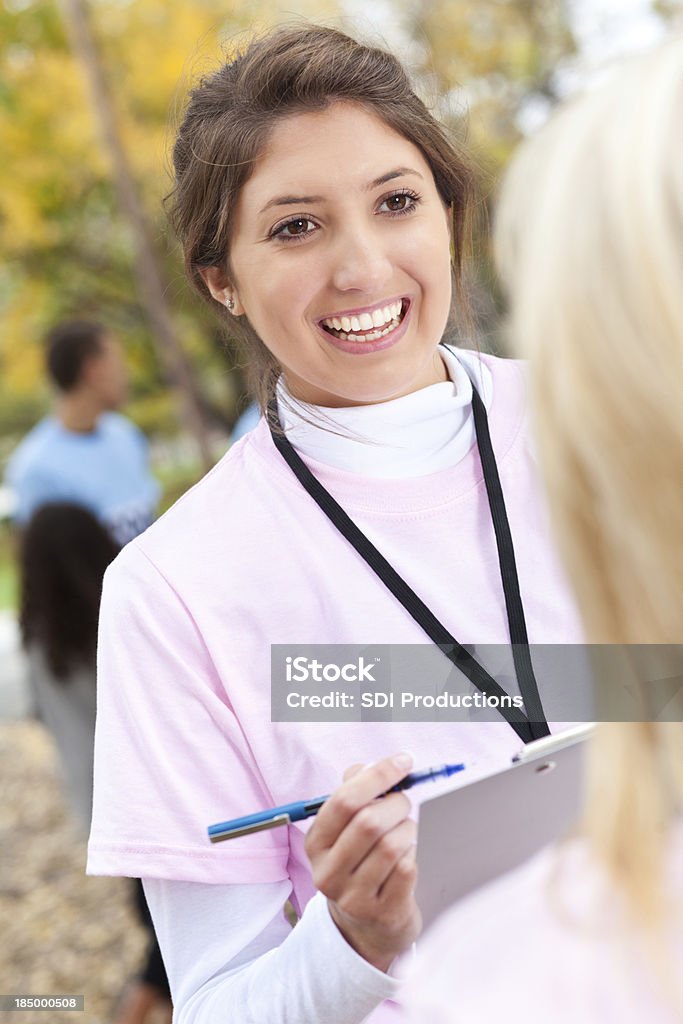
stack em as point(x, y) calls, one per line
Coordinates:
point(549, 744)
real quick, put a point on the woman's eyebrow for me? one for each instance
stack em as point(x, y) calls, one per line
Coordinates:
point(398, 172)
point(290, 201)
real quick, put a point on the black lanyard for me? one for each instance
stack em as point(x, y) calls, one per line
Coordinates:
point(529, 726)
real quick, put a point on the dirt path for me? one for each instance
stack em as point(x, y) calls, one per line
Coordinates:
point(60, 933)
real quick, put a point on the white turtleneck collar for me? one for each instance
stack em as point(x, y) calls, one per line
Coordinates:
point(424, 432)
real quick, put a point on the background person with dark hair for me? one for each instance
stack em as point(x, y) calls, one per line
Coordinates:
point(64, 554)
point(86, 452)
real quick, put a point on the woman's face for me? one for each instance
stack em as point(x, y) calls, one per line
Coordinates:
point(340, 258)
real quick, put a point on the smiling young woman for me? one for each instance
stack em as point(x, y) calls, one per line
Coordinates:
point(342, 266)
point(322, 213)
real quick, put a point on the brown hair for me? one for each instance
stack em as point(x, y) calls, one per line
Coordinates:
point(63, 555)
point(69, 345)
point(226, 125)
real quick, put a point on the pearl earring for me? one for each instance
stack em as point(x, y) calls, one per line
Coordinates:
point(230, 303)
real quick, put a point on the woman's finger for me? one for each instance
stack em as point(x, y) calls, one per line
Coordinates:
point(400, 883)
point(364, 787)
point(374, 870)
point(353, 770)
point(334, 869)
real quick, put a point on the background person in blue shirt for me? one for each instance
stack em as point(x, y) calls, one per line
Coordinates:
point(86, 452)
point(246, 421)
point(84, 458)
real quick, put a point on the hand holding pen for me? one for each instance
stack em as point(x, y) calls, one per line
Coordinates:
point(362, 853)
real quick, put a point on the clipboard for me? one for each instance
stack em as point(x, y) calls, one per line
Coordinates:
point(473, 834)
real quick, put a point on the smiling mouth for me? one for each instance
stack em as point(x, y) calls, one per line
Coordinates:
point(367, 326)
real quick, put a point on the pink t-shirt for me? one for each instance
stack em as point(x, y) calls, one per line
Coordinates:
point(549, 942)
point(245, 560)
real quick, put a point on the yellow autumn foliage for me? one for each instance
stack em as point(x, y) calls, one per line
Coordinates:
point(69, 250)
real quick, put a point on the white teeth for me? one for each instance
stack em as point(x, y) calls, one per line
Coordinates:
point(373, 336)
point(383, 319)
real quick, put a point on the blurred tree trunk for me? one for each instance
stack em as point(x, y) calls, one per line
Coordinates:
point(492, 65)
point(148, 272)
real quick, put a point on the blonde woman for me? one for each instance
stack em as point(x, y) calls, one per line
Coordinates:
point(590, 243)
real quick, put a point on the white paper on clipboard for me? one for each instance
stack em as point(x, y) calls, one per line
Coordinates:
point(473, 834)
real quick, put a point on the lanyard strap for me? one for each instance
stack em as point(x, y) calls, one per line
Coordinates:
point(529, 726)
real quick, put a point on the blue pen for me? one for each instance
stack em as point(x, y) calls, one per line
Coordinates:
point(301, 809)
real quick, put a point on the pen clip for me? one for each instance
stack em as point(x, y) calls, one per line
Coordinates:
point(245, 830)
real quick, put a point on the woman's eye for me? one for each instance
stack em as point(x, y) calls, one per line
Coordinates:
point(296, 228)
point(400, 202)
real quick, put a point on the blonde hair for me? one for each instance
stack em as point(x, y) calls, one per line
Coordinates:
point(589, 240)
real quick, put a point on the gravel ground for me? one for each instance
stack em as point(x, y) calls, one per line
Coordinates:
point(61, 933)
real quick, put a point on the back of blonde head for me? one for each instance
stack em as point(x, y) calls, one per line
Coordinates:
point(590, 244)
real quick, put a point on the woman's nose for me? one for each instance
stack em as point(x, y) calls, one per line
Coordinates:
point(360, 263)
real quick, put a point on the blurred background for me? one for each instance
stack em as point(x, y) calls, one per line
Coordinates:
point(89, 96)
